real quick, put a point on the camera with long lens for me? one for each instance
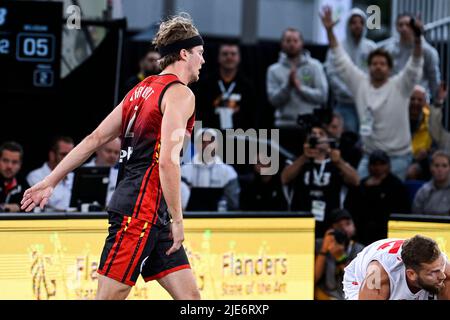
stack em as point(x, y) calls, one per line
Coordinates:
point(313, 141)
point(340, 237)
point(317, 118)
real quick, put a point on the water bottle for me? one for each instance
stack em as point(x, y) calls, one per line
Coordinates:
point(222, 206)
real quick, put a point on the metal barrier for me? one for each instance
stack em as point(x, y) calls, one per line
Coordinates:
point(430, 10)
point(438, 35)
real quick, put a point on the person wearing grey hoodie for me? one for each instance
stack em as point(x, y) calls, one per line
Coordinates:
point(296, 84)
point(401, 45)
point(358, 47)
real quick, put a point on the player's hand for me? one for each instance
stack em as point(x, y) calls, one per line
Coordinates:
point(327, 18)
point(37, 195)
point(177, 234)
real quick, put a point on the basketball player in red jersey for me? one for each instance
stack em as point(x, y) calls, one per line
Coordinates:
point(146, 222)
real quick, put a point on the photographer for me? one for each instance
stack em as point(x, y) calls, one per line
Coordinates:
point(349, 143)
point(317, 177)
point(333, 253)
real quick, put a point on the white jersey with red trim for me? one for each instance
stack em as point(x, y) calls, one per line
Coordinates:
point(388, 253)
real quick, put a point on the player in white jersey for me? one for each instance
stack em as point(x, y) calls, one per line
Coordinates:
point(398, 269)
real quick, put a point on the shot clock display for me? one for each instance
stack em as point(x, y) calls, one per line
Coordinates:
point(30, 45)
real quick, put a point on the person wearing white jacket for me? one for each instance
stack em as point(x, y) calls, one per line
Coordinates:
point(382, 102)
point(358, 47)
point(207, 170)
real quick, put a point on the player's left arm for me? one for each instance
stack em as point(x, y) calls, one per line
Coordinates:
point(444, 294)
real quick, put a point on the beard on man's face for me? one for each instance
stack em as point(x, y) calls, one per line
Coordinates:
point(292, 52)
point(435, 289)
point(378, 75)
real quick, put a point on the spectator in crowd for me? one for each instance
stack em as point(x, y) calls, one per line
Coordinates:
point(226, 98)
point(108, 156)
point(60, 199)
point(296, 85)
point(333, 253)
point(316, 178)
point(439, 134)
point(263, 192)
point(358, 47)
point(148, 66)
point(348, 141)
point(419, 114)
point(401, 46)
point(11, 186)
point(382, 102)
point(434, 196)
point(207, 171)
point(379, 195)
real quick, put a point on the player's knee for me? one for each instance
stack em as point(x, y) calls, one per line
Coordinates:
point(108, 289)
point(113, 294)
point(193, 294)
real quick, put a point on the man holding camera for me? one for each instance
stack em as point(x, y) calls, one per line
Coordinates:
point(382, 102)
point(317, 177)
point(333, 253)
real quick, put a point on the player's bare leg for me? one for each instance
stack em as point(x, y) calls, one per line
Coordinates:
point(110, 289)
point(181, 285)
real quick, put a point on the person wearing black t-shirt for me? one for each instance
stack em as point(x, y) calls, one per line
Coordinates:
point(148, 66)
point(316, 178)
point(263, 192)
point(378, 196)
point(226, 99)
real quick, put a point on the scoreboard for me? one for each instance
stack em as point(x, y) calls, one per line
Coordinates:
point(30, 45)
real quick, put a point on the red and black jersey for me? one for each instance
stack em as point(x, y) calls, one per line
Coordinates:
point(138, 192)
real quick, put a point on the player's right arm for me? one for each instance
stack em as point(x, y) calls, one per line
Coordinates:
point(108, 130)
point(376, 285)
point(177, 106)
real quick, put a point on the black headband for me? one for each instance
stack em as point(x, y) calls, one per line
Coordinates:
point(182, 44)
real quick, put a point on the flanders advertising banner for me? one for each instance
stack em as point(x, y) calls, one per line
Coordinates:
point(440, 232)
point(232, 258)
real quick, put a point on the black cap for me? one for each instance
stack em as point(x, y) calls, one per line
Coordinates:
point(339, 214)
point(379, 156)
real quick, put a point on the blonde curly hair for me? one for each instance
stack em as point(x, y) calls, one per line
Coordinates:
point(175, 28)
